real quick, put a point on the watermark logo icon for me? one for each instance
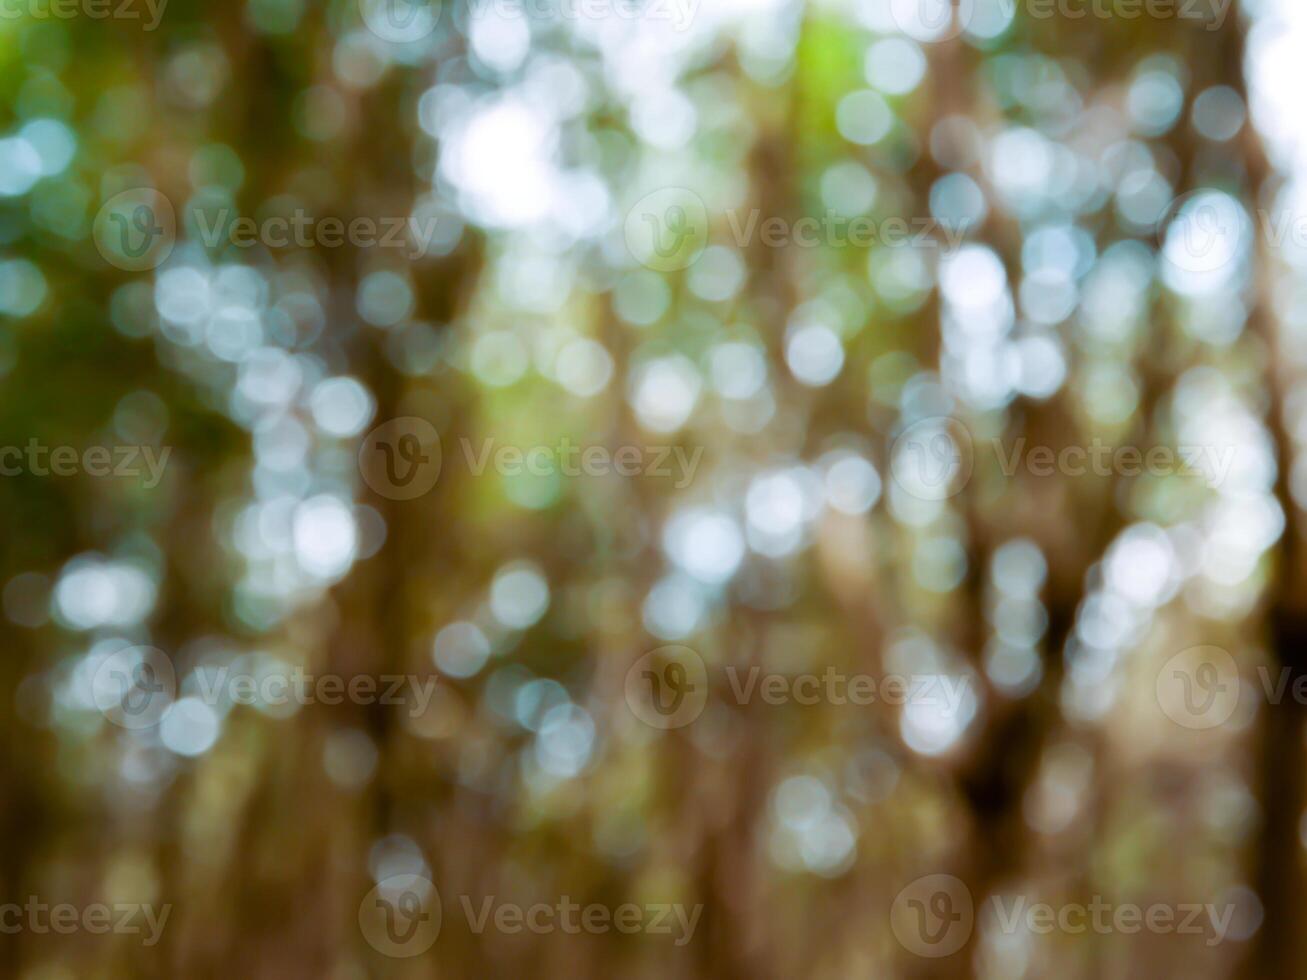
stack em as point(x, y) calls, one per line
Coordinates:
point(1203, 232)
point(401, 459)
point(1198, 688)
point(667, 687)
point(667, 229)
point(136, 229)
point(134, 686)
point(400, 21)
point(401, 916)
point(933, 916)
point(932, 458)
point(932, 20)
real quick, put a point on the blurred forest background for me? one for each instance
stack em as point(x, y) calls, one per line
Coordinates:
point(1077, 159)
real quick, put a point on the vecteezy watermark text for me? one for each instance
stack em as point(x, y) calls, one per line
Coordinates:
point(668, 688)
point(39, 459)
point(940, 20)
point(934, 458)
point(298, 686)
point(303, 230)
point(91, 9)
point(97, 918)
point(402, 916)
point(934, 915)
point(668, 229)
point(402, 459)
point(135, 687)
point(565, 915)
point(406, 21)
point(570, 459)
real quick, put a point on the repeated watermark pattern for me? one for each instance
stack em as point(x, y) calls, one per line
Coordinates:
point(38, 459)
point(669, 229)
point(942, 20)
point(136, 230)
point(668, 688)
point(402, 459)
point(148, 12)
point(407, 21)
point(934, 916)
point(410, 234)
point(1201, 687)
point(97, 918)
point(135, 686)
point(934, 459)
point(402, 916)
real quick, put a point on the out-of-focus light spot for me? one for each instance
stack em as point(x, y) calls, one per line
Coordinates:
point(705, 543)
point(20, 166)
point(182, 296)
point(738, 369)
point(341, 407)
point(519, 595)
point(460, 649)
point(1154, 102)
point(642, 298)
point(54, 142)
point(92, 593)
point(1140, 566)
point(499, 358)
point(674, 608)
point(399, 854)
point(852, 484)
point(814, 355)
point(894, 65)
point(534, 700)
point(929, 20)
point(584, 367)
point(1014, 670)
point(939, 564)
point(811, 832)
point(664, 392)
point(22, 287)
point(863, 117)
point(1018, 568)
point(1219, 113)
point(848, 188)
point(717, 274)
point(269, 376)
point(500, 156)
point(664, 118)
point(499, 40)
point(1021, 165)
point(1042, 366)
point(973, 278)
point(325, 537)
point(776, 511)
point(1206, 241)
point(1109, 394)
point(957, 201)
point(932, 726)
point(565, 741)
point(233, 332)
point(189, 727)
point(384, 298)
point(988, 18)
point(1142, 197)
